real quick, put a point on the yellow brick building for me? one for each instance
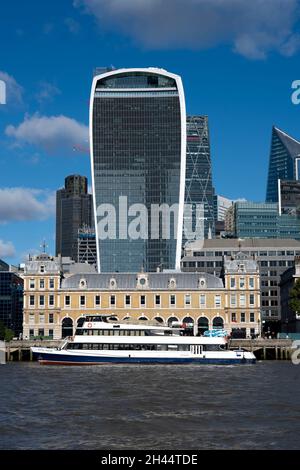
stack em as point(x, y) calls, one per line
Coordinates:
point(54, 301)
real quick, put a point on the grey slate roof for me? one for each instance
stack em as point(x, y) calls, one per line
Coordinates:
point(128, 281)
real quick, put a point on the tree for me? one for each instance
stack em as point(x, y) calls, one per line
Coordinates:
point(294, 302)
point(9, 334)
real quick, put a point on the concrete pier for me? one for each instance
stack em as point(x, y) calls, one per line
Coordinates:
point(20, 350)
point(266, 349)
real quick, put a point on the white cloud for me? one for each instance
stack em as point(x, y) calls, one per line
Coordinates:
point(47, 91)
point(14, 91)
point(25, 204)
point(50, 133)
point(7, 249)
point(251, 28)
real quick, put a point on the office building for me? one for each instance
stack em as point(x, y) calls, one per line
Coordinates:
point(221, 206)
point(262, 220)
point(138, 155)
point(274, 257)
point(198, 184)
point(73, 211)
point(289, 197)
point(11, 299)
point(290, 319)
point(284, 162)
point(86, 246)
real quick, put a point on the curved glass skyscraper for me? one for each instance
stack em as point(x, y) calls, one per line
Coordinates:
point(138, 154)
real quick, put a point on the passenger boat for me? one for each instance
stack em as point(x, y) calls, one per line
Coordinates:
point(100, 340)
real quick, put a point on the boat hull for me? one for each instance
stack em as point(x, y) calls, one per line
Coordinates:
point(52, 358)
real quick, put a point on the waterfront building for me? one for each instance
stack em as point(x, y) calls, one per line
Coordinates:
point(274, 256)
point(284, 162)
point(262, 220)
point(198, 181)
point(138, 155)
point(290, 320)
point(73, 211)
point(41, 307)
point(200, 300)
point(11, 299)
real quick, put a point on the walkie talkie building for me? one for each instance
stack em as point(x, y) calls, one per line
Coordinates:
point(138, 154)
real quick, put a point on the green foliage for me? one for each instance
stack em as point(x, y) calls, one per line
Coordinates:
point(9, 334)
point(294, 302)
point(5, 333)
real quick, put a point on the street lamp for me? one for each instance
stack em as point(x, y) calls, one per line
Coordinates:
point(287, 327)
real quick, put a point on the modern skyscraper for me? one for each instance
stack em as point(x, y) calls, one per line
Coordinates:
point(138, 154)
point(73, 211)
point(198, 186)
point(11, 299)
point(284, 162)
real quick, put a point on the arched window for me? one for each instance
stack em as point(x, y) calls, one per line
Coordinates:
point(143, 318)
point(188, 324)
point(202, 325)
point(171, 320)
point(159, 319)
point(218, 323)
point(67, 327)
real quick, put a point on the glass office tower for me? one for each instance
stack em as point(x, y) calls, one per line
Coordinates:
point(198, 187)
point(138, 152)
point(284, 162)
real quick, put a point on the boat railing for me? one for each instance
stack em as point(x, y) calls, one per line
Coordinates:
point(139, 322)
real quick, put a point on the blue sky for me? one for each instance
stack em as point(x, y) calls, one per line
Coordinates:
point(237, 60)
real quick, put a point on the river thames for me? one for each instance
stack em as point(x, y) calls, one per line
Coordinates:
point(150, 407)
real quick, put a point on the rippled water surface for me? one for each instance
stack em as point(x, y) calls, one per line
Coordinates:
point(150, 407)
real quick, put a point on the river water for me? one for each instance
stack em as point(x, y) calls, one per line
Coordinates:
point(150, 407)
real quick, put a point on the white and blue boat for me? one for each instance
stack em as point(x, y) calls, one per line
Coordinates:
point(98, 340)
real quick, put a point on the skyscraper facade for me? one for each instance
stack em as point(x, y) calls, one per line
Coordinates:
point(73, 211)
point(11, 299)
point(138, 153)
point(284, 162)
point(198, 185)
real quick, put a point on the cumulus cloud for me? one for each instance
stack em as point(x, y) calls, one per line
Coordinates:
point(25, 204)
point(7, 249)
point(14, 91)
point(252, 29)
point(50, 133)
